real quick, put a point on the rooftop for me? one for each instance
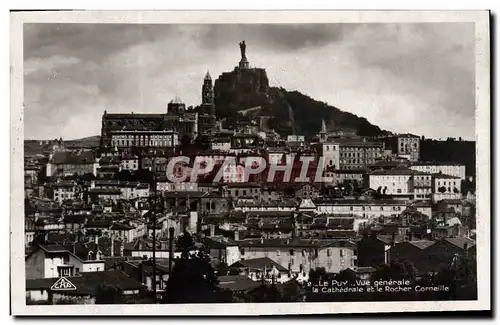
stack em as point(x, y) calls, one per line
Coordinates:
point(237, 283)
point(73, 158)
point(422, 244)
point(259, 264)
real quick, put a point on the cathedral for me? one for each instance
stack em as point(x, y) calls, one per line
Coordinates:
point(164, 130)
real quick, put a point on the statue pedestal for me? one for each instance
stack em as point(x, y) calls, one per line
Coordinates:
point(244, 64)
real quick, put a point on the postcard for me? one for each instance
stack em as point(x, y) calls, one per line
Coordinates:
point(250, 162)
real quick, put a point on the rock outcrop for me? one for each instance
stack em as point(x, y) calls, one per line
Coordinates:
point(286, 111)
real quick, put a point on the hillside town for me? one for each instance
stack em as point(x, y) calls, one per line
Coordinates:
point(152, 212)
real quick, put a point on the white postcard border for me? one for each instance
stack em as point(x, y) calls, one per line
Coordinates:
point(480, 18)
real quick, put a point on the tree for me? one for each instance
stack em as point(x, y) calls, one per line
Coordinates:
point(289, 191)
point(346, 275)
point(222, 269)
point(193, 279)
point(316, 275)
point(265, 293)
point(460, 277)
point(108, 294)
point(292, 291)
point(396, 270)
point(185, 243)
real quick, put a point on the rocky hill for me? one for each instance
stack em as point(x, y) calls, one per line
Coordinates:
point(287, 111)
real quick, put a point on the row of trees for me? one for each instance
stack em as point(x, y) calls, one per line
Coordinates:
point(460, 278)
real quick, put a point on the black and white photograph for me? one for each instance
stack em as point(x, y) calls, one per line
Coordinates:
point(197, 162)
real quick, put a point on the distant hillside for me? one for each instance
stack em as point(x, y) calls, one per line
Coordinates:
point(450, 151)
point(288, 111)
point(34, 147)
point(92, 138)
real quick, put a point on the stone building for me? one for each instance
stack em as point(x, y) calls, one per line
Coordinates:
point(163, 130)
point(405, 145)
point(358, 153)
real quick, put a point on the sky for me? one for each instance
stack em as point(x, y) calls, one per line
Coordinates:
point(405, 78)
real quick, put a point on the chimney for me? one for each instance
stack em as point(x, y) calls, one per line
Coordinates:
point(212, 230)
point(236, 235)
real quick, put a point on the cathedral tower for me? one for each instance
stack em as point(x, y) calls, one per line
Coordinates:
point(207, 94)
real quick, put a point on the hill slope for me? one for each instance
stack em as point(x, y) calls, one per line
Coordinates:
point(288, 111)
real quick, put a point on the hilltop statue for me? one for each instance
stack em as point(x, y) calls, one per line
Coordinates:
point(243, 62)
point(243, 48)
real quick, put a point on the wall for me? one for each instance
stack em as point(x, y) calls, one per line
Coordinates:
point(331, 154)
point(80, 169)
point(37, 295)
point(449, 183)
point(304, 256)
point(396, 184)
point(53, 260)
point(409, 146)
point(35, 265)
point(335, 259)
point(96, 266)
point(363, 211)
point(232, 254)
point(451, 169)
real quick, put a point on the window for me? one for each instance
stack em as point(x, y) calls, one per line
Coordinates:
point(303, 253)
point(292, 252)
point(341, 253)
point(278, 252)
point(328, 253)
point(64, 271)
point(242, 251)
point(77, 270)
